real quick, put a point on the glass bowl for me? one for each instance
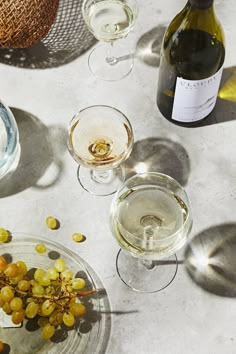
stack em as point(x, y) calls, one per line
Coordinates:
point(9, 139)
point(89, 334)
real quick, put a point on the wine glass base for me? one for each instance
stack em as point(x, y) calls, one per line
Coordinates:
point(101, 184)
point(143, 275)
point(117, 69)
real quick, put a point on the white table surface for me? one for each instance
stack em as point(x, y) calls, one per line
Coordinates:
point(189, 316)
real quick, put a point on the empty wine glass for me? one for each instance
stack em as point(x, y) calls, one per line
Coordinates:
point(150, 219)
point(100, 138)
point(108, 21)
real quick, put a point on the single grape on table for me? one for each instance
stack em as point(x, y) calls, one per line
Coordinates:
point(78, 237)
point(52, 223)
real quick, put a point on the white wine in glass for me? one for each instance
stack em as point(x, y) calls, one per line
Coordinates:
point(151, 220)
point(100, 138)
point(108, 21)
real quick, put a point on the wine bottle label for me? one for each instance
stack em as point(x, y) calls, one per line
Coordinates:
point(195, 99)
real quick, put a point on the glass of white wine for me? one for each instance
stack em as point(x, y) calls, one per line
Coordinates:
point(150, 219)
point(108, 21)
point(100, 138)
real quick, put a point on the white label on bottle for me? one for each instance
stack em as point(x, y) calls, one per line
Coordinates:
point(195, 99)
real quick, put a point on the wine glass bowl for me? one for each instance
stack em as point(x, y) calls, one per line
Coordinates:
point(150, 219)
point(100, 138)
point(108, 21)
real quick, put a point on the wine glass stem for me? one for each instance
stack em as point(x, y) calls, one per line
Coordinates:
point(148, 264)
point(101, 176)
point(111, 59)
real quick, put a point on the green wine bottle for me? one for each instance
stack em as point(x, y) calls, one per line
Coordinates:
point(191, 65)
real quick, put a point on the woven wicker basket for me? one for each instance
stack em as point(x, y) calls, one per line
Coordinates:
point(25, 22)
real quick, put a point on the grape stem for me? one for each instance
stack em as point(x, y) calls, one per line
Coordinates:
point(54, 298)
point(85, 293)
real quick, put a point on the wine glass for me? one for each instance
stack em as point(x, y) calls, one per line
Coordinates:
point(100, 138)
point(109, 20)
point(150, 219)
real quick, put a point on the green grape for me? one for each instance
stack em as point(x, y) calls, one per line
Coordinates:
point(60, 265)
point(11, 270)
point(23, 285)
point(7, 293)
point(4, 235)
point(3, 264)
point(44, 280)
point(48, 331)
point(69, 288)
point(78, 237)
point(52, 274)
point(6, 307)
point(72, 300)
point(16, 304)
point(52, 223)
point(40, 248)
point(77, 309)
point(18, 316)
point(29, 299)
point(67, 275)
point(15, 280)
point(39, 273)
point(31, 310)
point(33, 282)
point(47, 308)
point(38, 290)
point(22, 268)
point(66, 288)
point(78, 283)
point(50, 290)
point(56, 318)
point(68, 319)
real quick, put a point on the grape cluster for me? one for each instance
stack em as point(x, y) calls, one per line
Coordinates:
point(51, 296)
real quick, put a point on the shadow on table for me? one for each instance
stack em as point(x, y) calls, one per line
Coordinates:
point(101, 313)
point(66, 41)
point(210, 260)
point(148, 46)
point(40, 162)
point(159, 155)
point(6, 349)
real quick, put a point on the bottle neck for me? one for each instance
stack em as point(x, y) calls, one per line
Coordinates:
point(201, 4)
